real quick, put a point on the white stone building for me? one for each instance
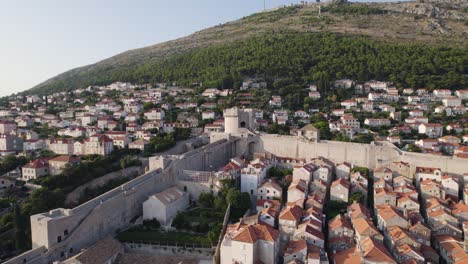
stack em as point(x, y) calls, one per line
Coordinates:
point(165, 205)
point(246, 244)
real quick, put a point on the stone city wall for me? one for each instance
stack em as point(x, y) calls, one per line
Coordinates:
point(84, 225)
point(367, 155)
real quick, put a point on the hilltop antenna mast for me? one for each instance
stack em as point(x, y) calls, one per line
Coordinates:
point(264, 5)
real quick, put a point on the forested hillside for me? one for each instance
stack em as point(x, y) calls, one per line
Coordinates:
point(296, 58)
point(412, 44)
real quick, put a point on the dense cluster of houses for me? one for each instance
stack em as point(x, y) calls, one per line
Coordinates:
point(414, 224)
point(415, 218)
point(408, 112)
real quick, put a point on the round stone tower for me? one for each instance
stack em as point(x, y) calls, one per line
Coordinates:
point(231, 120)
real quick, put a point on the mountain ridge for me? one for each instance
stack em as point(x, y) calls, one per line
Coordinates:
point(429, 23)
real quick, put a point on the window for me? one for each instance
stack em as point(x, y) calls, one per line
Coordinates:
point(65, 233)
point(59, 239)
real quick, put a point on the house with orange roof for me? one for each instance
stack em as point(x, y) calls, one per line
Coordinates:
point(421, 233)
point(339, 190)
point(270, 190)
point(388, 215)
point(433, 204)
point(262, 204)
point(308, 231)
point(297, 190)
point(295, 250)
point(304, 172)
point(59, 163)
point(442, 223)
point(396, 236)
point(430, 254)
point(427, 173)
point(343, 170)
point(381, 183)
point(325, 169)
point(314, 213)
point(349, 256)
point(451, 249)
point(405, 202)
point(35, 169)
point(288, 220)
point(450, 186)
point(315, 200)
point(432, 188)
point(244, 243)
point(253, 175)
point(357, 210)
point(407, 254)
point(340, 234)
point(99, 145)
point(269, 216)
point(385, 196)
point(460, 211)
point(373, 251)
point(401, 181)
point(383, 172)
point(365, 228)
point(402, 168)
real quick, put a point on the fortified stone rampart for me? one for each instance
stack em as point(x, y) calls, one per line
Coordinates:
point(61, 233)
point(367, 155)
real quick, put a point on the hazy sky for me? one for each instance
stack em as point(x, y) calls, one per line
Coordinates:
point(42, 38)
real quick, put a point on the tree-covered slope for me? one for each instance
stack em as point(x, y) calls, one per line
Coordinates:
point(412, 44)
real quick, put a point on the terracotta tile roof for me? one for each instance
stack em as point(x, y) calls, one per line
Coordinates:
point(295, 246)
point(101, 251)
point(291, 213)
point(459, 208)
point(364, 226)
point(339, 221)
point(397, 233)
point(387, 212)
point(342, 182)
point(454, 247)
point(300, 185)
point(37, 164)
point(299, 202)
point(270, 203)
point(437, 213)
point(311, 222)
point(374, 251)
point(383, 169)
point(64, 158)
point(426, 170)
point(357, 210)
point(272, 184)
point(252, 233)
point(348, 256)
